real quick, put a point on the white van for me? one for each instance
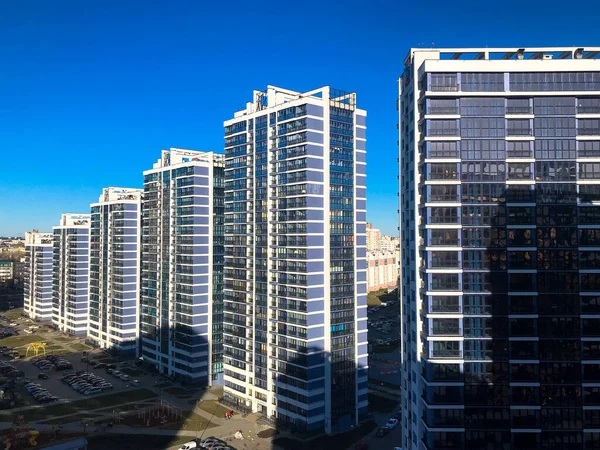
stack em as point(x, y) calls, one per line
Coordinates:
point(189, 445)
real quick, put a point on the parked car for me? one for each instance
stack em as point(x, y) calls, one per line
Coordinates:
point(43, 376)
point(391, 424)
point(101, 366)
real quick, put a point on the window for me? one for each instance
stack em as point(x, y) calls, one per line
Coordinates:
point(521, 215)
point(473, 127)
point(589, 149)
point(589, 127)
point(442, 149)
point(589, 171)
point(483, 193)
point(519, 237)
point(444, 282)
point(589, 215)
point(444, 259)
point(442, 171)
point(484, 82)
point(483, 215)
point(481, 107)
point(555, 148)
point(555, 171)
point(520, 171)
point(518, 106)
point(446, 327)
point(520, 194)
point(443, 193)
point(487, 149)
point(443, 82)
point(588, 105)
point(521, 260)
point(554, 126)
point(445, 237)
point(556, 192)
point(554, 106)
point(441, 106)
point(518, 127)
point(518, 149)
point(589, 193)
point(443, 215)
point(554, 81)
point(556, 215)
point(442, 127)
point(483, 171)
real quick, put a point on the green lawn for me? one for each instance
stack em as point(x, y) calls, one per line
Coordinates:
point(80, 406)
point(13, 313)
point(376, 297)
point(192, 421)
point(18, 341)
point(70, 419)
point(212, 407)
point(381, 404)
point(78, 347)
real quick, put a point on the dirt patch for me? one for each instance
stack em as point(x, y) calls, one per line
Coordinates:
point(268, 433)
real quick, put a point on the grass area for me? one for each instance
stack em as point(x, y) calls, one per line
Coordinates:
point(343, 440)
point(81, 406)
point(70, 419)
point(63, 339)
point(13, 313)
point(376, 297)
point(381, 404)
point(268, 433)
point(212, 406)
point(191, 422)
point(17, 341)
point(123, 408)
point(78, 347)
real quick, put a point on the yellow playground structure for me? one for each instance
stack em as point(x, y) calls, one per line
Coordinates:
point(36, 347)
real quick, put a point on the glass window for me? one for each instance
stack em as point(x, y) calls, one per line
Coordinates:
point(441, 106)
point(555, 171)
point(483, 193)
point(520, 171)
point(555, 148)
point(473, 127)
point(443, 237)
point(521, 215)
point(443, 193)
point(481, 107)
point(443, 82)
point(588, 127)
point(554, 106)
point(442, 149)
point(518, 106)
point(443, 171)
point(589, 171)
point(484, 82)
point(555, 126)
point(442, 127)
point(483, 171)
point(518, 127)
point(588, 105)
point(589, 149)
point(488, 149)
point(518, 149)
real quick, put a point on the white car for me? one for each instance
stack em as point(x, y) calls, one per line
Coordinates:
point(189, 445)
point(391, 424)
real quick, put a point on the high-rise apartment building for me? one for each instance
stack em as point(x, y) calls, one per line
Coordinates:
point(373, 237)
point(295, 325)
point(382, 270)
point(182, 265)
point(37, 279)
point(70, 274)
point(500, 237)
point(115, 231)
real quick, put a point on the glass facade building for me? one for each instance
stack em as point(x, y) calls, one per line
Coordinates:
point(499, 153)
point(295, 329)
point(70, 274)
point(37, 277)
point(182, 266)
point(115, 231)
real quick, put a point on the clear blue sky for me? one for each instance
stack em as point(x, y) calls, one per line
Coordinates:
point(91, 91)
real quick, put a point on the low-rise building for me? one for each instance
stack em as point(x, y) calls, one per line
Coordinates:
point(6, 270)
point(382, 270)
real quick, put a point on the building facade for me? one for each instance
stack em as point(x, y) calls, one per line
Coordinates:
point(389, 243)
point(6, 270)
point(382, 270)
point(37, 277)
point(182, 266)
point(115, 234)
point(70, 274)
point(373, 237)
point(500, 230)
point(295, 322)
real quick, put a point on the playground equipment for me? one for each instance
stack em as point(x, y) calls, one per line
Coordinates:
point(36, 347)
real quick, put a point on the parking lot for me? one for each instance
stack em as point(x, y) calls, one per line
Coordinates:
point(384, 339)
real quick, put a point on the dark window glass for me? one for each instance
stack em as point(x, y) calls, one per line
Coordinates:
point(485, 82)
point(518, 106)
point(483, 193)
point(473, 127)
point(589, 149)
point(442, 171)
point(556, 215)
point(554, 126)
point(588, 105)
point(518, 127)
point(555, 148)
point(443, 237)
point(520, 171)
point(443, 193)
point(477, 150)
point(588, 127)
point(442, 149)
point(518, 149)
point(443, 82)
point(481, 107)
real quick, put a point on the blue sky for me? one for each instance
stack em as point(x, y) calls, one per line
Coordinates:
point(91, 91)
